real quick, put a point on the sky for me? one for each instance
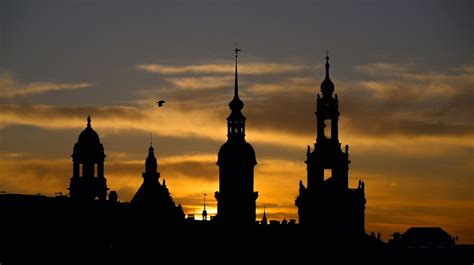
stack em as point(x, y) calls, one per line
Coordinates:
point(403, 71)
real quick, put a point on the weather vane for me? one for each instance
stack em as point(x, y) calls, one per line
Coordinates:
point(237, 50)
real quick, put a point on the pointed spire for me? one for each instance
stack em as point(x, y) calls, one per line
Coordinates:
point(236, 84)
point(236, 104)
point(151, 149)
point(264, 217)
point(89, 120)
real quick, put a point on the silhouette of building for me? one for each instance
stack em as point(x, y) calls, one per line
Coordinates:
point(88, 181)
point(154, 197)
point(327, 203)
point(423, 237)
point(236, 199)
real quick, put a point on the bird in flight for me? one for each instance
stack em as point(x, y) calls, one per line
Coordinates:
point(160, 103)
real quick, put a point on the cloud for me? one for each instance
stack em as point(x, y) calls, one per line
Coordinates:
point(288, 85)
point(250, 68)
point(62, 117)
point(379, 68)
point(9, 87)
point(204, 82)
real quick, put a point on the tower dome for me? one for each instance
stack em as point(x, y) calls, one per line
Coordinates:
point(88, 136)
point(327, 86)
point(88, 146)
point(231, 151)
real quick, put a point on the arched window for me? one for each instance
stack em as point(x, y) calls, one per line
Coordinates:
point(327, 129)
point(327, 173)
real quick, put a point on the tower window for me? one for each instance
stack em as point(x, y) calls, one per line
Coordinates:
point(327, 129)
point(327, 173)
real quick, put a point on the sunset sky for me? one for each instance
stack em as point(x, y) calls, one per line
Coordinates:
point(403, 71)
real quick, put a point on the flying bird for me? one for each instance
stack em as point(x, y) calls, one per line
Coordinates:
point(160, 103)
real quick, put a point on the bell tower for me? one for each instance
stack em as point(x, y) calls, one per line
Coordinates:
point(88, 181)
point(327, 203)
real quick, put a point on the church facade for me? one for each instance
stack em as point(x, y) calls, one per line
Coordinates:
point(327, 203)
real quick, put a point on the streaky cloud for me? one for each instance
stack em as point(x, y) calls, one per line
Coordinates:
point(10, 87)
point(252, 68)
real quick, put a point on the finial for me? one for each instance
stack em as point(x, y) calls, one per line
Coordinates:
point(151, 139)
point(237, 50)
point(327, 63)
point(89, 120)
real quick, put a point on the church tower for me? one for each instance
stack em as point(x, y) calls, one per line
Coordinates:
point(154, 198)
point(236, 199)
point(88, 182)
point(327, 203)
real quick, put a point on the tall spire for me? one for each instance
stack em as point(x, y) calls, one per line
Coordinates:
point(89, 120)
point(236, 84)
point(236, 104)
point(236, 120)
